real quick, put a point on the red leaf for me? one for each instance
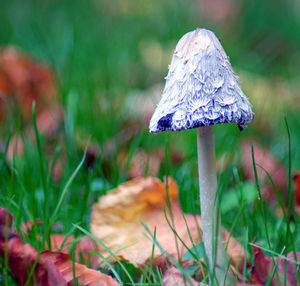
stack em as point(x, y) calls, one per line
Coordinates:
point(83, 247)
point(263, 267)
point(296, 179)
point(51, 268)
point(84, 275)
point(26, 80)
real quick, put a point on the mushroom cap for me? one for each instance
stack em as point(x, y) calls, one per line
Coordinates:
point(201, 88)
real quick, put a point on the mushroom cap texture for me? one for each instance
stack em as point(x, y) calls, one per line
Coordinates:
point(201, 88)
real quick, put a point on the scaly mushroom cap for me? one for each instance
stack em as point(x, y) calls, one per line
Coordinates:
point(201, 88)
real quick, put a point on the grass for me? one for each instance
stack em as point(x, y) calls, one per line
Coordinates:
point(100, 54)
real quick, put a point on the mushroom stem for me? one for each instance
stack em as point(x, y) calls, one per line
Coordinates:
point(211, 225)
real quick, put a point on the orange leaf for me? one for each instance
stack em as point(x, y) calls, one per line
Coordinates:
point(117, 220)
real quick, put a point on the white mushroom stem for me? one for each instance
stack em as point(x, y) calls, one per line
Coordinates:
point(211, 225)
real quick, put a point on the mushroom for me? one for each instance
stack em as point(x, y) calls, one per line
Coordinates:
point(202, 90)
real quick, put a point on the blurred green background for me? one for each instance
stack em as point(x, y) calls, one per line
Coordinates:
point(110, 58)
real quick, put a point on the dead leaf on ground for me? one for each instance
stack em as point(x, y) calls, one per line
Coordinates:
point(236, 253)
point(84, 275)
point(265, 159)
point(82, 251)
point(83, 246)
point(22, 81)
point(27, 80)
point(263, 267)
point(173, 276)
point(51, 268)
point(296, 179)
point(117, 220)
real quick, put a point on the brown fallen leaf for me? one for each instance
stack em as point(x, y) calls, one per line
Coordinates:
point(83, 246)
point(173, 276)
point(51, 268)
point(117, 220)
point(84, 275)
point(276, 170)
point(296, 179)
point(263, 267)
point(25, 79)
point(22, 81)
point(82, 251)
point(236, 253)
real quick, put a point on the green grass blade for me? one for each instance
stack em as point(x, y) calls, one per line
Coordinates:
point(47, 228)
point(111, 267)
point(290, 195)
point(69, 182)
point(275, 253)
point(262, 206)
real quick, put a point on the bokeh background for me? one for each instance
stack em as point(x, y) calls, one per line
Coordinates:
point(96, 70)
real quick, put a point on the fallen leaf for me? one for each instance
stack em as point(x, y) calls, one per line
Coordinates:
point(118, 219)
point(265, 159)
point(236, 252)
point(25, 79)
point(82, 251)
point(296, 179)
point(263, 267)
point(51, 268)
point(84, 275)
point(173, 276)
point(21, 258)
point(22, 81)
point(292, 270)
point(59, 241)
